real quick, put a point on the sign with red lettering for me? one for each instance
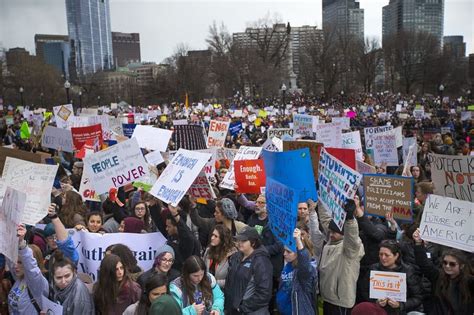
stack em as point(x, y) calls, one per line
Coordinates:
point(387, 193)
point(201, 188)
point(86, 190)
point(217, 133)
point(249, 176)
point(385, 284)
point(80, 135)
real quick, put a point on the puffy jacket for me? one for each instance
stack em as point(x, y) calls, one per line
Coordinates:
point(249, 282)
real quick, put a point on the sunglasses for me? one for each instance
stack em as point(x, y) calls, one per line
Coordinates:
point(449, 263)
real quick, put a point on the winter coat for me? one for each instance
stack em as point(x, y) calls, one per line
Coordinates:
point(221, 269)
point(249, 284)
point(130, 293)
point(184, 244)
point(176, 290)
point(274, 248)
point(75, 298)
point(144, 277)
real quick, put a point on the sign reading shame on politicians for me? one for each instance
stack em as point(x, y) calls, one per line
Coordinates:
point(303, 125)
point(282, 205)
point(452, 176)
point(217, 133)
point(449, 222)
point(337, 183)
point(386, 284)
point(385, 193)
point(178, 176)
point(91, 248)
point(117, 166)
point(249, 176)
point(244, 153)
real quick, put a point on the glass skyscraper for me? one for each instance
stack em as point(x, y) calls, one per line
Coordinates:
point(90, 33)
point(345, 17)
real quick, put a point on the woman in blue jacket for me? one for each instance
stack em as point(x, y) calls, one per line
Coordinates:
point(297, 283)
point(196, 291)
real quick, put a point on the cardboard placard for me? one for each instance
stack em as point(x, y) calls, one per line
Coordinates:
point(217, 133)
point(249, 176)
point(57, 138)
point(80, 135)
point(314, 150)
point(385, 284)
point(244, 153)
point(18, 154)
point(152, 138)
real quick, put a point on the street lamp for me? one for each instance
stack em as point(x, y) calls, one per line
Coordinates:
point(67, 86)
point(21, 90)
point(80, 99)
point(283, 92)
point(98, 100)
point(342, 97)
point(468, 94)
point(441, 90)
point(41, 98)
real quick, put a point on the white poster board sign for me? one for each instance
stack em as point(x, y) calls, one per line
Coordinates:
point(57, 138)
point(217, 133)
point(303, 125)
point(63, 114)
point(330, 134)
point(244, 153)
point(351, 140)
point(385, 149)
point(11, 210)
point(369, 132)
point(385, 284)
point(154, 158)
point(152, 138)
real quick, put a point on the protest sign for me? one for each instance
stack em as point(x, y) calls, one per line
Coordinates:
point(273, 144)
point(201, 188)
point(351, 140)
point(154, 158)
point(178, 122)
point(217, 133)
point(36, 181)
point(452, 176)
point(369, 132)
point(466, 116)
point(303, 125)
point(19, 154)
point(346, 156)
point(337, 183)
point(89, 111)
point(86, 190)
point(365, 168)
point(235, 128)
point(419, 114)
point(385, 149)
point(282, 205)
point(178, 176)
point(252, 117)
point(80, 135)
point(385, 284)
point(128, 129)
point(407, 143)
point(189, 137)
point(330, 134)
point(151, 138)
point(48, 307)
point(280, 132)
point(448, 221)
point(210, 167)
point(62, 114)
point(117, 166)
point(345, 122)
point(292, 168)
point(314, 149)
point(244, 153)
point(57, 138)
point(91, 248)
point(249, 176)
point(387, 193)
point(115, 126)
point(11, 211)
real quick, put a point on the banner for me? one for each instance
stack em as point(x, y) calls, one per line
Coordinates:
point(282, 133)
point(151, 138)
point(389, 193)
point(178, 176)
point(36, 181)
point(217, 133)
point(351, 140)
point(282, 207)
point(337, 183)
point(57, 138)
point(11, 211)
point(62, 114)
point(128, 129)
point(91, 248)
point(452, 176)
point(249, 176)
point(80, 135)
point(244, 153)
point(449, 222)
point(385, 284)
point(303, 125)
point(189, 137)
point(314, 150)
point(330, 134)
point(293, 169)
point(119, 165)
point(385, 149)
point(201, 188)
point(369, 132)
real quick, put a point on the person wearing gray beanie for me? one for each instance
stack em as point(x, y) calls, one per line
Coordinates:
point(163, 264)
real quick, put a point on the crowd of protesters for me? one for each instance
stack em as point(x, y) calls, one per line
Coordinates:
point(221, 256)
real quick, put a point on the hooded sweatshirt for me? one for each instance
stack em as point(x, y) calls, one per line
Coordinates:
point(75, 298)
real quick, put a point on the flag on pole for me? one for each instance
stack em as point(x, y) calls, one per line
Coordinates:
point(186, 102)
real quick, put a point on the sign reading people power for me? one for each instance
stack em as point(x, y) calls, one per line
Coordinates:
point(337, 183)
point(282, 205)
point(452, 176)
point(178, 176)
point(117, 166)
point(389, 193)
point(449, 222)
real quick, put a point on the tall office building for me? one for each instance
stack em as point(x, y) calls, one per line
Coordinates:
point(41, 39)
point(54, 50)
point(90, 33)
point(344, 17)
point(126, 47)
point(413, 15)
point(454, 46)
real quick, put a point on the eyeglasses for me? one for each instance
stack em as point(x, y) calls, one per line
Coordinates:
point(140, 209)
point(450, 263)
point(168, 260)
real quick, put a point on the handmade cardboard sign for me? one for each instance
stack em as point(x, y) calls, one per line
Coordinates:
point(385, 284)
point(249, 176)
point(217, 133)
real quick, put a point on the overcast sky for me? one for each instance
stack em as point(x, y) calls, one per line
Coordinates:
point(165, 24)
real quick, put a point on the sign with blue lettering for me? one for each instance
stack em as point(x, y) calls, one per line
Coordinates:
point(282, 205)
point(294, 169)
point(128, 129)
point(178, 176)
point(337, 183)
point(235, 128)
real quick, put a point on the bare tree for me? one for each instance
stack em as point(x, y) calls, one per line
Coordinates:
point(369, 58)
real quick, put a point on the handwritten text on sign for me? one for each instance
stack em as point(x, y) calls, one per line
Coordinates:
point(217, 133)
point(391, 285)
point(117, 166)
point(385, 193)
point(303, 125)
point(449, 222)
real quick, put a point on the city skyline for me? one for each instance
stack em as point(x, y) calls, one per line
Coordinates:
point(190, 20)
